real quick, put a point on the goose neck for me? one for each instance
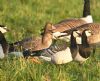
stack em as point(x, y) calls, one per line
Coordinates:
point(86, 9)
point(84, 40)
point(47, 40)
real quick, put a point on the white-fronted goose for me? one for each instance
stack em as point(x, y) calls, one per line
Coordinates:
point(41, 43)
point(34, 44)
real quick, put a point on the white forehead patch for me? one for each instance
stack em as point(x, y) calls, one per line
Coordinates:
point(3, 29)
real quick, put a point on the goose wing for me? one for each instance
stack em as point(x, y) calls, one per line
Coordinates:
point(58, 45)
point(68, 24)
point(30, 43)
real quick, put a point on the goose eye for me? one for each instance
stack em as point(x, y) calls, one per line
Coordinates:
point(51, 31)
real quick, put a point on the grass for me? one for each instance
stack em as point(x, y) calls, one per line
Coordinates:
point(26, 18)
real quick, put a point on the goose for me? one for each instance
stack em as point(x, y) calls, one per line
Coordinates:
point(75, 22)
point(18, 47)
point(82, 51)
point(34, 44)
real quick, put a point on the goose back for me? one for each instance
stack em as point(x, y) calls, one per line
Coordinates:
point(68, 24)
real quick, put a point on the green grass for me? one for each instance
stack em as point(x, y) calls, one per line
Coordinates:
point(26, 18)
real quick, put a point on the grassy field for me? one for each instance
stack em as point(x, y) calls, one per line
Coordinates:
point(26, 18)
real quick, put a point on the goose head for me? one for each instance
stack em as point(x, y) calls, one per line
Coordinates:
point(87, 32)
point(3, 29)
point(48, 35)
point(49, 28)
point(77, 34)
